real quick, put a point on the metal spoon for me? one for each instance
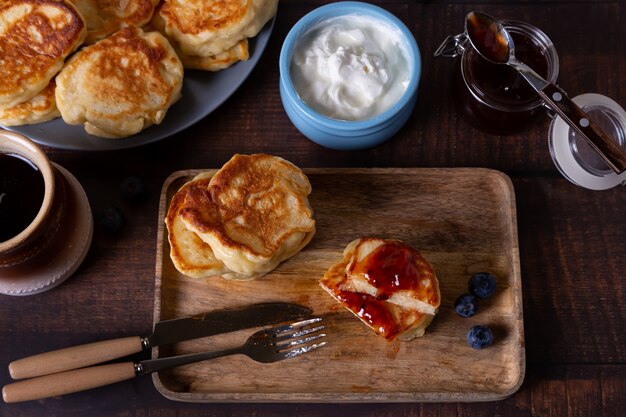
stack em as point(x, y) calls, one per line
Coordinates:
point(494, 43)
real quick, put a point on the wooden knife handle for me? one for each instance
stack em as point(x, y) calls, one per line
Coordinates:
point(74, 357)
point(67, 382)
point(606, 147)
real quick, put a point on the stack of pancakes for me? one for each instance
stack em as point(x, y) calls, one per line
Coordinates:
point(35, 38)
point(241, 222)
point(120, 85)
point(387, 284)
point(211, 35)
point(126, 77)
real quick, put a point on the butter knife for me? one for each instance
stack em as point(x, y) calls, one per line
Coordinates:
point(165, 332)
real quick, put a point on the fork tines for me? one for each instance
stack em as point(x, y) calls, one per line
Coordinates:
point(295, 339)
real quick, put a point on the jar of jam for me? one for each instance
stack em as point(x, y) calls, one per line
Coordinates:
point(494, 97)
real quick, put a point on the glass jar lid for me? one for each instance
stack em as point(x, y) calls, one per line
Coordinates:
point(571, 154)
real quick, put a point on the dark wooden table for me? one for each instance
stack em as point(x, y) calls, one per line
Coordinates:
point(572, 241)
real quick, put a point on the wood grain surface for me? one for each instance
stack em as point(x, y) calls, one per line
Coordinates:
point(571, 240)
point(462, 220)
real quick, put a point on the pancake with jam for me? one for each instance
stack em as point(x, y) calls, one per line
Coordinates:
point(38, 109)
point(388, 285)
point(210, 27)
point(120, 85)
point(104, 17)
point(35, 38)
point(254, 214)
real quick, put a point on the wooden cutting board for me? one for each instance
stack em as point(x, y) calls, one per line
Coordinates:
point(462, 219)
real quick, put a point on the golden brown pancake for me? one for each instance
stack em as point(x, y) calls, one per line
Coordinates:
point(210, 27)
point(388, 285)
point(35, 38)
point(253, 214)
point(104, 17)
point(38, 109)
point(218, 62)
point(120, 85)
point(189, 254)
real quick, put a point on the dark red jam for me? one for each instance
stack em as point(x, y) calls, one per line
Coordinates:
point(393, 266)
point(494, 97)
point(371, 310)
point(390, 268)
point(502, 84)
point(487, 38)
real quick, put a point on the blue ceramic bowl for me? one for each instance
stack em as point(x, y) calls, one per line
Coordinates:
point(341, 134)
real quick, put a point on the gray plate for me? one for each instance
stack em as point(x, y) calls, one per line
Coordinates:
point(202, 93)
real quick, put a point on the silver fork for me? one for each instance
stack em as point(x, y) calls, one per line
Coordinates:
point(266, 346)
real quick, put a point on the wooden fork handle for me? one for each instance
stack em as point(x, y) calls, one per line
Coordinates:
point(67, 382)
point(74, 357)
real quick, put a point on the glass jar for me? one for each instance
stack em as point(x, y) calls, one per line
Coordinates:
point(494, 97)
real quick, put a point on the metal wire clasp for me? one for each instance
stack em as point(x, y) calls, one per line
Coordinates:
point(452, 46)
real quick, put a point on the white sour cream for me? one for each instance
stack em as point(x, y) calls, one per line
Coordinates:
point(352, 67)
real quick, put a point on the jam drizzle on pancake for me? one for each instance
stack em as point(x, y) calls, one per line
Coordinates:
point(391, 267)
point(372, 310)
point(387, 284)
point(396, 266)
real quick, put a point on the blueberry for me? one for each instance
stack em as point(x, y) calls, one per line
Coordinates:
point(479, 337)
point(466, 305)
point(112, 219)
point(132, 190)
point(482, 285)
